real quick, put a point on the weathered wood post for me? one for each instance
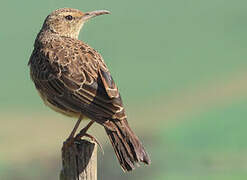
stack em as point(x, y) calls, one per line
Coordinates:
point(79, 161)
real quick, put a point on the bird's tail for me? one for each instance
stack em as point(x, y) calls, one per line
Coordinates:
point(126, 144)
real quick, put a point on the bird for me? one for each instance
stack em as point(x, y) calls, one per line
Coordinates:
point(72, 78)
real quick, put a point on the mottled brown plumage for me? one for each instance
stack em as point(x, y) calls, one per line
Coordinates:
point(72, 78)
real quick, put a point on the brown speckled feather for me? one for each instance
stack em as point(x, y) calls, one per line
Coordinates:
point(68, 70)
point(72, 79)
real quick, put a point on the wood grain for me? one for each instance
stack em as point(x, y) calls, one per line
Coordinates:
point(79, 161)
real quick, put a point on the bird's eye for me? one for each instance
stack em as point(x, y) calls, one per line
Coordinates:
point(69, 17)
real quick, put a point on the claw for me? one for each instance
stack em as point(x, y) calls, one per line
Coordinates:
point(95, 140)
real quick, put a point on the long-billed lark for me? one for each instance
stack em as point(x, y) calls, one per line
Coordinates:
point(72, 78)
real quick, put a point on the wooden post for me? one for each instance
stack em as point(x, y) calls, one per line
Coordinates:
point(79, 161)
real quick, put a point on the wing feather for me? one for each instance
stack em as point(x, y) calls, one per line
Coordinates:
point(76, 80)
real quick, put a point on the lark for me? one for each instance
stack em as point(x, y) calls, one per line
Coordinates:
point(72, 78)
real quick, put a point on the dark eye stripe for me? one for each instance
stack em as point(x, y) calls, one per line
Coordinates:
point(69, 17)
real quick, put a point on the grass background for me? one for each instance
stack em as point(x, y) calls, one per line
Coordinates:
point(181, 70)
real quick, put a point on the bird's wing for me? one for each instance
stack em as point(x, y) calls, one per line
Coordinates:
point(75, 76)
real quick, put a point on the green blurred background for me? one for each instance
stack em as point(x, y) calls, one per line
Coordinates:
point(180, 66)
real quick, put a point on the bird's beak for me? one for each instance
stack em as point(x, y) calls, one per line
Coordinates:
point(89, 15)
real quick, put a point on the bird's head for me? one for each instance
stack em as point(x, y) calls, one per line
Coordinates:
point(68, 22)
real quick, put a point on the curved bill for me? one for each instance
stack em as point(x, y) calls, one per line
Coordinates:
point(89, 15)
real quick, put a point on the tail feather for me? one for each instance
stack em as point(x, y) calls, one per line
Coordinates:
point(126, 144)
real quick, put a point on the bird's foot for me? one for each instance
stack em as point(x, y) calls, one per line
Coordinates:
point(96, 141)
point(82, 134)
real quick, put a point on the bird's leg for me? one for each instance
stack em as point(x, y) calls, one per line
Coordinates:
point(71, 136)
point(84, 130)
